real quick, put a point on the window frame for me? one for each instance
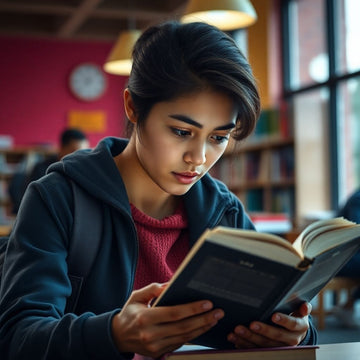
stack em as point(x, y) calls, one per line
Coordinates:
point(331, 83)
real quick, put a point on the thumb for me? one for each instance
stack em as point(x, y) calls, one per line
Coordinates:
point(147, 293)
point(304, 310)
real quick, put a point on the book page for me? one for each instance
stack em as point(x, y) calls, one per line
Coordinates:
point(254, 235)
point(260, 244)
point(330, 239)
point(316, 234)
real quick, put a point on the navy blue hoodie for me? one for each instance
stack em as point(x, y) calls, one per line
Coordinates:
point(35, 283)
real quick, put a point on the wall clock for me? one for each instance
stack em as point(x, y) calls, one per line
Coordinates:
point(87, 82)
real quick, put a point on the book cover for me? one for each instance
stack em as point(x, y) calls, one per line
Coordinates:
point(278, 353)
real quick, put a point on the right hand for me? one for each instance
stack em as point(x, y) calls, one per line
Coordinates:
point(153, 331)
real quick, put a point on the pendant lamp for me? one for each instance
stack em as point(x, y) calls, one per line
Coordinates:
point(119, 61)
point(227, 15)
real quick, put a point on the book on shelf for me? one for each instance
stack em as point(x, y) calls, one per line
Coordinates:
point(277, 353)
point(254, 199)
point(283, 200)
point(250, 275)
point(277, 223)
point(272, 124)
point(282, 164)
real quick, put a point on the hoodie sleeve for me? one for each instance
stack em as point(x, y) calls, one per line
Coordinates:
point(35, 287)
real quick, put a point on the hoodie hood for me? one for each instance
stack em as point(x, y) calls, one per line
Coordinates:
point(209, 203)
point(96, 172)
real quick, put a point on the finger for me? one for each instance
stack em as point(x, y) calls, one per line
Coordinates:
point(256, 337)
point(185, 332)
point(303, 310)
point(169, 336)
point(172, 324)
point(196, 323)
point(281, 335)
point(179, 312)
point(240, 342)
point(292, 323)
point(297, 326)
point(146, 294)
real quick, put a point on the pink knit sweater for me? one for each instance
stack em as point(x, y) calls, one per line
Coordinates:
point(163, 244)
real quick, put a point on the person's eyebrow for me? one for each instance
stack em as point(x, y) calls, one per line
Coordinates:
point(190, 121)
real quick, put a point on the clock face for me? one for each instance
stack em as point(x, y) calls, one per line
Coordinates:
point(88, 82)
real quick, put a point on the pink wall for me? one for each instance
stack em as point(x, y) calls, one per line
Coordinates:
point(35, 98)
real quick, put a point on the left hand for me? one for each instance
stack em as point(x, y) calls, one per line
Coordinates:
point(290, 330)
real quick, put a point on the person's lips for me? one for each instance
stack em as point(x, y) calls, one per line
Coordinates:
point(186, 177)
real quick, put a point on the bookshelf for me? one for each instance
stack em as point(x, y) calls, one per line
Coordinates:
point(261, 170)
point(13, 160)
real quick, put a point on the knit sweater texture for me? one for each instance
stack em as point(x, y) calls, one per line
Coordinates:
point(163, 244)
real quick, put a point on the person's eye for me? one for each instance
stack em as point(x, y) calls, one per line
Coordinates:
point(219, 139)
point(180, 132)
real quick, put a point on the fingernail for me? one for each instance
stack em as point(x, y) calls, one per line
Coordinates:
point(255, 327)
point(207, 305)
point(218, 315)
point(240, 331)
point(277, 317)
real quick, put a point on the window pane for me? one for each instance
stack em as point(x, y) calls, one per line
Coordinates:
point(311, 153)
point(349, 138)
point(348, 49)
point(308, 55)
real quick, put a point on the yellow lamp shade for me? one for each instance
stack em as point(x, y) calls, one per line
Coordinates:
point(225, 14)
point(119, 61)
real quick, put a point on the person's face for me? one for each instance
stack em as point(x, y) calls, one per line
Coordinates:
point(182, 139)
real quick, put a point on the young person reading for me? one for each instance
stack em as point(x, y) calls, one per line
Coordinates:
point(189, 91)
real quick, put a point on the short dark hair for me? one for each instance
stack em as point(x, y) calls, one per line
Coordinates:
point(69, 135)
point(173, 59)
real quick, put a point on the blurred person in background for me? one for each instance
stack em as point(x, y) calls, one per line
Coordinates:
point(70, 140)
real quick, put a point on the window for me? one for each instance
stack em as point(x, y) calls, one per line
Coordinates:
point(321, 59)
point(348, 136)
point(348, 30)
point(307, 52)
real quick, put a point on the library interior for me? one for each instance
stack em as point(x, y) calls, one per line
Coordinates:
point(302, 161)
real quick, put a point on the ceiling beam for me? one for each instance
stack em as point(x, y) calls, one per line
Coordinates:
point(47, 18)
point(79, 16)
point(35, 9)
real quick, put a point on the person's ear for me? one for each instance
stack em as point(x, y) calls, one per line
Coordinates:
point(129, 106)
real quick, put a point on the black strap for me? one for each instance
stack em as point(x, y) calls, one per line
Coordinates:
point(85, 241)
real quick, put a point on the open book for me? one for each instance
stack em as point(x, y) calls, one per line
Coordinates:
point(250, 275)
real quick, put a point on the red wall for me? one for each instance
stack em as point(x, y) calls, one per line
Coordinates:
point(35, 98)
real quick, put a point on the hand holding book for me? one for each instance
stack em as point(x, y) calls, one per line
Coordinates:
point(286, 330)
point(153, 331)
point(150, 331)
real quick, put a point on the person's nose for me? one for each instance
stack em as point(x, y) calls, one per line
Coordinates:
point(196, 155)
